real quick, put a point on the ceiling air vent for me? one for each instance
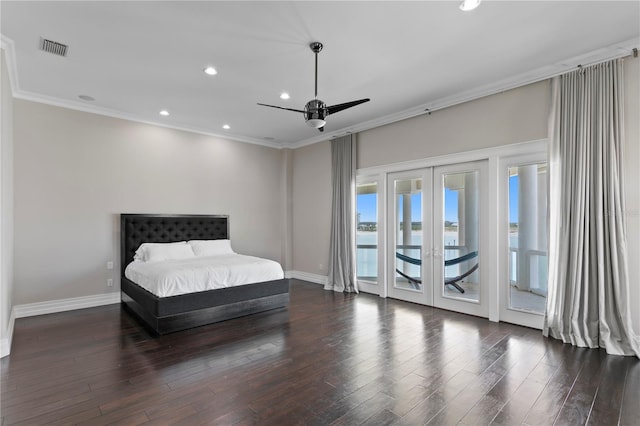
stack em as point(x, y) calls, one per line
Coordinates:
point(53, 47)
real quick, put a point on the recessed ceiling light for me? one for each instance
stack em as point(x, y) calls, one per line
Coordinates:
point(210, 71)
point(226, 127)
point(284, 95)
point(468, 5)
point(164, 112)
point(86, 98)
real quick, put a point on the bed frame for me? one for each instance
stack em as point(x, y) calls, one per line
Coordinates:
point(168, 314)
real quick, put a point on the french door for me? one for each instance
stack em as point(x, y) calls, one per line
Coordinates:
point(436, 238)
point(523, 239)
point(410, 236)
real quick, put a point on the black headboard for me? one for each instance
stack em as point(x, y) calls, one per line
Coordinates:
point(136, 229)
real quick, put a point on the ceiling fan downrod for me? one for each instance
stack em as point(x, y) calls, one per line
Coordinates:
point(315, 111)
point(316, 47)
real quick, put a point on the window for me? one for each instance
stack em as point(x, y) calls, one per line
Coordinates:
point(367, 232)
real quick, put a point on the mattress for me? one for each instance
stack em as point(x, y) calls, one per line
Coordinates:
point(175, 277)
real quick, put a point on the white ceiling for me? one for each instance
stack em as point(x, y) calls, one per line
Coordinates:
point(136, 58)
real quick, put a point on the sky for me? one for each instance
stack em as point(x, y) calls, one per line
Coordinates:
point(367, 207)
point(367, 204)
point(513, 199)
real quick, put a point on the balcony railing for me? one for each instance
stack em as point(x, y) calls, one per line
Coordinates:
point(367, 264)
point(367, 260)
point(537, 260)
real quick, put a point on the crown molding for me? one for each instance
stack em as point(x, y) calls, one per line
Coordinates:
point(614, 51)
point(608, 53)
point(10, 56)
point(77, 106)
point(8, 46)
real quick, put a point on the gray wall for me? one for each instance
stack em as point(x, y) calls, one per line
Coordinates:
point(311, 199)
point(75, 172)
point(517, 115)
point(287, 208)
point(6, 200)
point(514, 116)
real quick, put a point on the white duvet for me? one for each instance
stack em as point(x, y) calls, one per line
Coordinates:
point(174, 277)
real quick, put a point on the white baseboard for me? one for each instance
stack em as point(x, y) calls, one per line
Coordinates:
point(51, 307)
point(368, 288)
point(306, 276)
point(5, 343)
point(61, 305)
point(323, 279)
point(5, 347)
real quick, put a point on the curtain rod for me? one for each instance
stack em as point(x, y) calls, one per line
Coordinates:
point(620, 55)
point(634, 53)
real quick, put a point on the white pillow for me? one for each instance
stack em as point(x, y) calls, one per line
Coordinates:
point(154, 252)
point(211, 247)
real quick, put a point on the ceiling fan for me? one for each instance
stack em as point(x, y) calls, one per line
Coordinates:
point(315, 111)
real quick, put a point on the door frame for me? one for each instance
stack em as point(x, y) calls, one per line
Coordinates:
point(432, 268)
point(440, 300)
point(379, 286)
point(506, 313)
point(423, 296)
point(495, 156)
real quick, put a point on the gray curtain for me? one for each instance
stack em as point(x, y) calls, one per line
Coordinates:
point(341, 249)
point(588, 301)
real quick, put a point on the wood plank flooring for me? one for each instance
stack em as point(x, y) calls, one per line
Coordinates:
point(329, 359)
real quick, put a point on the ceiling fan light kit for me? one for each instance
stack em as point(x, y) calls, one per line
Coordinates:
point(316, 111)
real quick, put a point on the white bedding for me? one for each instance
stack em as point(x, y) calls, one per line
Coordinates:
point(175, 277)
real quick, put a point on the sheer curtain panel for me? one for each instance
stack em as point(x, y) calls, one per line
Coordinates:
point(588, 303)
point(341, 256)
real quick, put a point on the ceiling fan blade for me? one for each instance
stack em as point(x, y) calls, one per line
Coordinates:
point(279, 107)
point(335, 108)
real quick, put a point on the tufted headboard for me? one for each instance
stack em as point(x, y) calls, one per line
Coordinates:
point(136, 229)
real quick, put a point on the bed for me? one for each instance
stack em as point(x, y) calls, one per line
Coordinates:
point(174, 313)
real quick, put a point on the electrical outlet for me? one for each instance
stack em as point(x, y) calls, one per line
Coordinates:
point(320, 266)
point(109, 265)
point(109, 282)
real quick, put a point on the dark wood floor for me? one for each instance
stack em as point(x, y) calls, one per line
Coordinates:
point(329, 359)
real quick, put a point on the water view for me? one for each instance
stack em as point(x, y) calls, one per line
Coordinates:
point(527, 231)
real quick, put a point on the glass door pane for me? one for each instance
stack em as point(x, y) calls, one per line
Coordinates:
point(408, 234)
point(408, 266)
point(528, 237)
point(367, 232)
point(460, 218)
point(460, 229)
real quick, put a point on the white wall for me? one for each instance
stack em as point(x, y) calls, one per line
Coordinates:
point(75, 172)
point(6, 207)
